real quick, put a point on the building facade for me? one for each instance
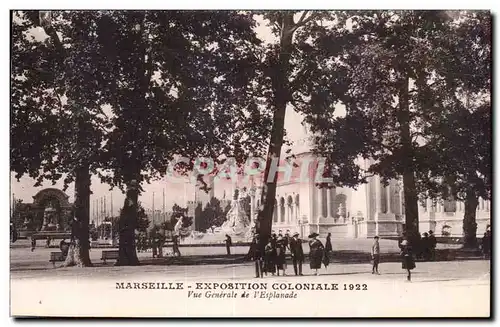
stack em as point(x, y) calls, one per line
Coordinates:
point(370, 209)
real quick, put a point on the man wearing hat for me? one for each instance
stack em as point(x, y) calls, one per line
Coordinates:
point(297, 254)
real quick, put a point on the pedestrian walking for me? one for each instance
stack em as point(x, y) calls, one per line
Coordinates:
point(375, 255)
point(408, 263)
point(229, 243)
point(297, 254)
point(280, 256)
point(316, 253)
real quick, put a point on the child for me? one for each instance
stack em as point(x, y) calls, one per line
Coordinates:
point(375, 255)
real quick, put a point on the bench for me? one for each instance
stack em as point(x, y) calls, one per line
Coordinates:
point(56, 257)
point(109, 255)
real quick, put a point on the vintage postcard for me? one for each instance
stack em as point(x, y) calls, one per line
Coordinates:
point(238, 163)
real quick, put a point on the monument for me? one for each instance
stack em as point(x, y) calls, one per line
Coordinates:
point(238, 225)
point(50, 212)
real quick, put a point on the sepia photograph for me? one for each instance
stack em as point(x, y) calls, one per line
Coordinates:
point(250, 163)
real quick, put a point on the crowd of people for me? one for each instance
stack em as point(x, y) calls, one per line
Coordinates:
point(271, 258)
point(155, 243)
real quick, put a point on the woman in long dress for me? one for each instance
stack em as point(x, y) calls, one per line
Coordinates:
point(280, 256)
point(270, 258)
point(328, 250)
point(316, 252)
point(408, 263)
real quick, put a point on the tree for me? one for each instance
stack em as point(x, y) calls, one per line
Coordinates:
point(143, 221)
point(385, 69)
point(177, 84)
point(59, 78)
point(179, 213)
point(459, 149)
point(212, 215)
point(279, 82)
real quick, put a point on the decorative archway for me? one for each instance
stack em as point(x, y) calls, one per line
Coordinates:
point(51, 196)
point(56, 199)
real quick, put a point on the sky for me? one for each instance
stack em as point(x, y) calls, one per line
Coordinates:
point(178, 191)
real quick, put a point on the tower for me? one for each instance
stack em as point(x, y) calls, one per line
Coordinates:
point(201, 198)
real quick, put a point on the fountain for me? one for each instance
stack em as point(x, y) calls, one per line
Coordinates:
point(237, 225)
point(50, 222)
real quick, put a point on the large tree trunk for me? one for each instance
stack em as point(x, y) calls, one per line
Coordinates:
point(409, 188)
point(469, 223)
point(127, 254)
point(78, 253)
point(281, 98)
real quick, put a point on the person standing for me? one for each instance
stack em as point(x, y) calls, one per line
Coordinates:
point(425, 247)
point(375, 255)
point(328, 250)
point(486, 242)
point(256, 254)
point(297, 254)
point(288, 238)
point(280, 256)
point(175, 245)
point(270, 257)
point(408, 263)
point(33, 244)
point(432, 245)
point(229, 243)
point(328, 243)
point(316, 252)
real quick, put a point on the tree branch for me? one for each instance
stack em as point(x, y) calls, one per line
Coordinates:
point(303, 21)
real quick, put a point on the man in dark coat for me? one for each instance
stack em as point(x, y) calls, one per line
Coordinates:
point(486, 243)
point(425, 247)
point(432, 245)
point(256, 254)
point(297, 254)
point(229, 243)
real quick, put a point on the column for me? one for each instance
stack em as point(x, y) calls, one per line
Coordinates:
point(319, 204)
point(487, 204)
point(252, 205)
point(482, 204)
point(401, 201)
point(329, 203)
point(388, 199)
point(289, 213)
point(278, 221)
point(428, 205)
point(377, 195)
point(377, 203)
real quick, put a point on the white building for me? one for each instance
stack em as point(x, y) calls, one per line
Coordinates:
point(371, 209)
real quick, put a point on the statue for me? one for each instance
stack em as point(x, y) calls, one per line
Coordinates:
point(237, 221)
point(179, 230)
point(50, 220)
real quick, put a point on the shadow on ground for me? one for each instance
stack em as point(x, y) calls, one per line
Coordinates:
point(337, 257)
